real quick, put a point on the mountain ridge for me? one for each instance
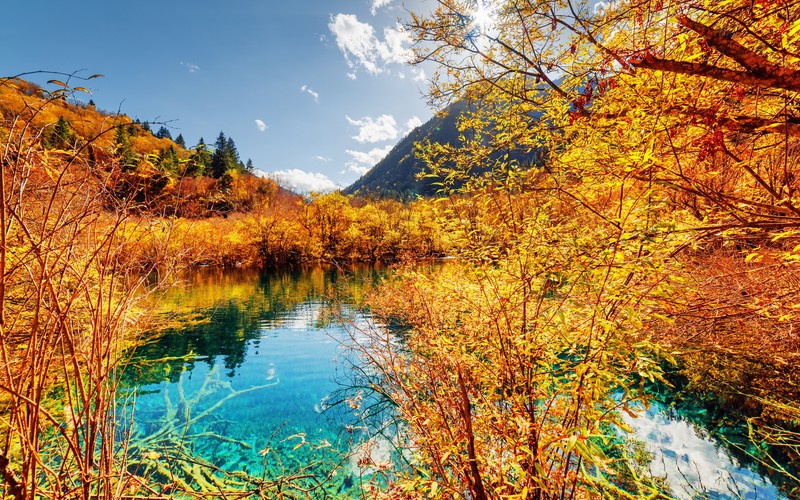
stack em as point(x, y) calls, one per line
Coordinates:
point(396, 174)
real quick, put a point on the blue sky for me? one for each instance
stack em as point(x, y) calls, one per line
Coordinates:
point(316, 90)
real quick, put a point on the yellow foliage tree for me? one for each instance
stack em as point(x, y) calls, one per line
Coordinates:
point(661, 121)
point(66, 290)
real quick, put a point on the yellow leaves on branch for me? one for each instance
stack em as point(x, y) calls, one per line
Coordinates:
point(659, 124)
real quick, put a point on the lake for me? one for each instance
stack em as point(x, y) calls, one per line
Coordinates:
point(238, 390)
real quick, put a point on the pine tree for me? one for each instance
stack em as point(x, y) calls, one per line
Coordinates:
point(163, 133)
point(232, 156)
point(200, 160)
point(225, 157)
point(168, 160)
point(218, 164)
point(61, 136)
point(180, 141)
point(249, 166)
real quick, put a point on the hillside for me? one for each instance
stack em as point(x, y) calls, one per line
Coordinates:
point(396, 174)
point(150, 170)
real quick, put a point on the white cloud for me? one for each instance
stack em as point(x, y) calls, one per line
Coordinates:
point(394, 49)
point(310, 92)
point(603, 7)
point(301, 181)
point(419, 74)
point(362, 162)
point(362, 49)
point(411, 124)
point(322, 158)
point(191, 67)
point(371, 130)
point(355, 167)
point(377, 4)
point(261, 125)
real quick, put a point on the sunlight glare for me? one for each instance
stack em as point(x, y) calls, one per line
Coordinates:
point(484, 15)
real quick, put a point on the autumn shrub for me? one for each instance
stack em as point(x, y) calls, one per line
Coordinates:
point(669, 131)
point(740, 352)
point(66, 291)
point(520, 358)
point(392, 231)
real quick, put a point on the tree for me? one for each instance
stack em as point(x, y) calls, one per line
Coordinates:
point(127, 157)
point(219, 157)
point(711, 83)
point(200, 159)
point(163, 133)
point(61, 135)
point(67, 285)
point(249, 166)
point(180, 141)
point(232, 155)
point(225, 157)
point(168, 160)
point(661, 120)
point(326, 218)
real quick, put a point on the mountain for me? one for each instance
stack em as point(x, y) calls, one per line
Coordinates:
point(395, 175)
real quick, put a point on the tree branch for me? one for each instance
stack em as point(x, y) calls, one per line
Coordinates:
point(753, 62)
point(759, 71)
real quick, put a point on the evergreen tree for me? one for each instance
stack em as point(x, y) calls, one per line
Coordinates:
point(163, 133)
point(168, 160)
point(249, 166)
point(218, 164)
point(225, 157)
point(146, 127)
point(61, 136)
point(231, 154)
point(127, 157)
point(180, 141)
point(200, 160)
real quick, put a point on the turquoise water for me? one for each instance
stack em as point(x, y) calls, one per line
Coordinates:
point(243, 389)
point(240, 394)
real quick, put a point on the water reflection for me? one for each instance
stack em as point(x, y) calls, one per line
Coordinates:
point(245, 363)
point(695, 465)
point(216, 316)
point(241, 388)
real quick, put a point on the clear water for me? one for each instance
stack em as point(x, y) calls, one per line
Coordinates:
point(244, 387)
point(695, 465)
point(241, 381)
